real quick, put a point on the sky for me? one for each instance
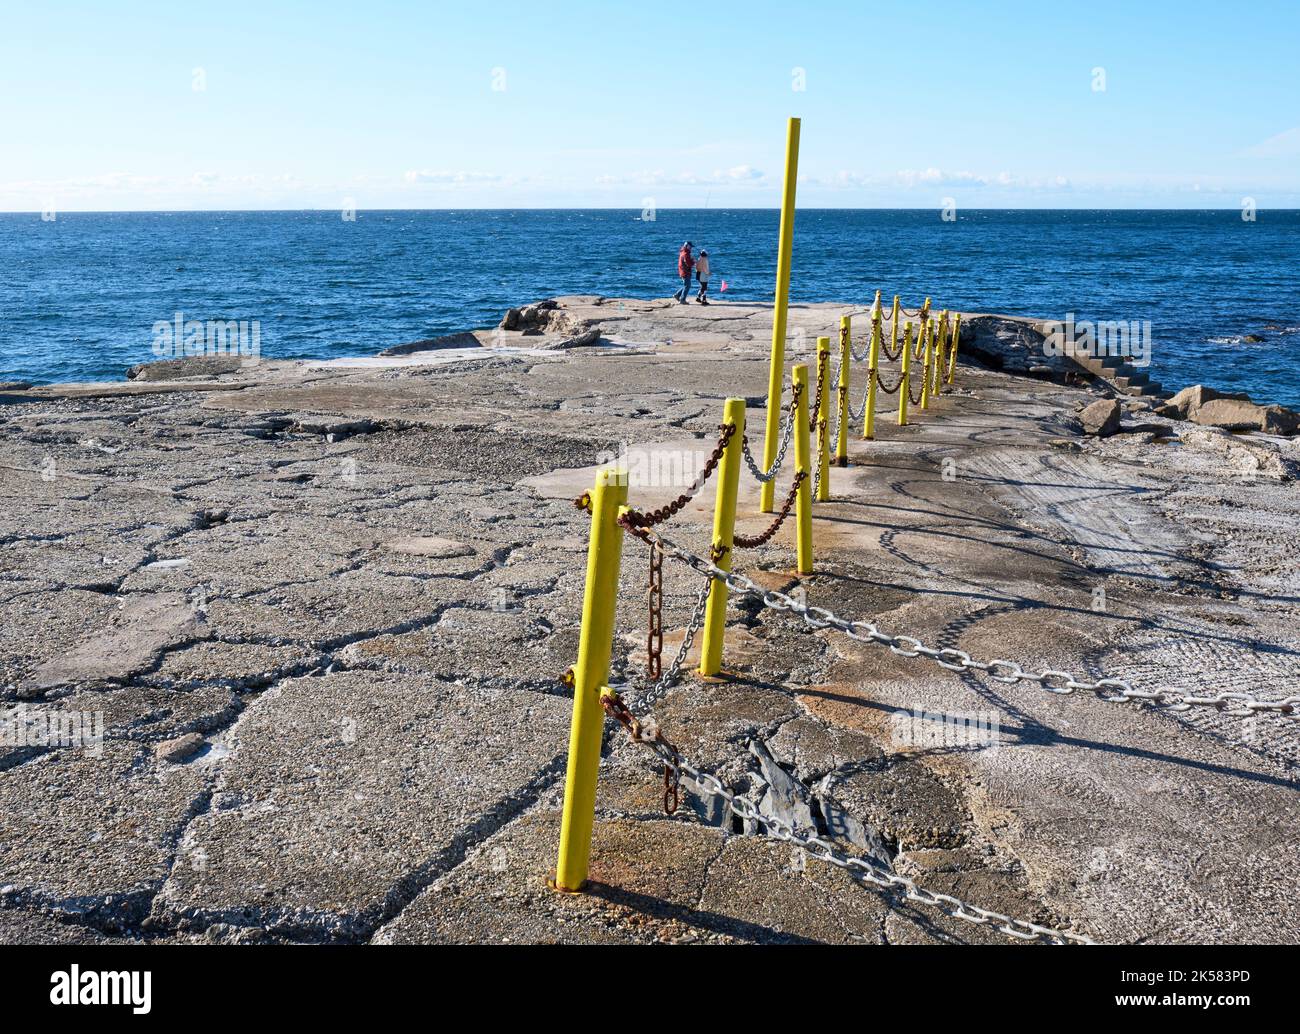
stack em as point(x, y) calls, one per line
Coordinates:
point(178, 106)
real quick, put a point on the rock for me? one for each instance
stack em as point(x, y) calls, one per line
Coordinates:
point(1253, 339)
point(1279, 420)
point(180, 369)
point(1191, 399)
point(15, 386)
point(180, 749)
point(1156, 430)
point(433, 344)
point(510, 321)
point(1102, 418)
point(587, 337)
point(785, 797)
point(1014, 346)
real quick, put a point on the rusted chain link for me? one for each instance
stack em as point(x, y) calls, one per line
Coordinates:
point(864, 870)
point(650, 694)
point(893, 356)
point(654, 644)
point(753, 541)
point(918, 396)
point(889, 391)
point(649, 519)
point(1107, 690)
point(817, 399)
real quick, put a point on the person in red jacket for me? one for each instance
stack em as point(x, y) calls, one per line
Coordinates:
point(685, 263)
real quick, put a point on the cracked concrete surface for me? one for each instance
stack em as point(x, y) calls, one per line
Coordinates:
point(358, 582)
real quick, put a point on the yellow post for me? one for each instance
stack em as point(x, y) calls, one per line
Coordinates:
point(893, 329)
point(823, 419)
point(940, 354)
point(604, 554)
point(873, 364)
point(927, 370)
point(842, 429)
point(952, 347)
point(903, 382)
point(776, 373)
point(724, 529)
point(803, 499)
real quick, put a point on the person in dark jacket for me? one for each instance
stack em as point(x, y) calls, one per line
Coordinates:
point(685, 263)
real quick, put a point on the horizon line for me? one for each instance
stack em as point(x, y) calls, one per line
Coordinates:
point(617, 208)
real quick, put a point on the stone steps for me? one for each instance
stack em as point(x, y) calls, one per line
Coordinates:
point(1117, 372)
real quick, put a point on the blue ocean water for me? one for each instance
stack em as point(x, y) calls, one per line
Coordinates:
point(79, 295)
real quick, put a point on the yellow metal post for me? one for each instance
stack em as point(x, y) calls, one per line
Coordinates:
point(842, 426)
point(873, 364)
point(604, 554)
point(893, 328)
point(928, 335)
point(823, 419)
point(724, 529)
point(803, 499)
point(940, 355)
point(952, 347)
point(776, 373)
point(903, 382)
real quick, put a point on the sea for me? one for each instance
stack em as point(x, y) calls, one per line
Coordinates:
point(1216, 294)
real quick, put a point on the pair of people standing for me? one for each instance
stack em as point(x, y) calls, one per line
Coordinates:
point(686, 264)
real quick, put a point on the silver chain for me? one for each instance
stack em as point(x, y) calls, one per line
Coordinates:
point(861, 869)
point(652, 694)
point(750, 462)
point(1107, 690)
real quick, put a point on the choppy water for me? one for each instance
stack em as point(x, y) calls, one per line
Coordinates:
point(79, 295)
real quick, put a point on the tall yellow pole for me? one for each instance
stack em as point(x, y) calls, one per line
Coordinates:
point(842, 427)
point(724, 530)
point(903, 382)
point(893, 328)
point(604, 554)
point(952, 347)
point(823, 419)
point(803, 499)
point(927, 370)
point(873, 364)
point(776, 374)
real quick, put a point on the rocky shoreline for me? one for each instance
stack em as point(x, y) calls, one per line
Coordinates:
point(322, 608)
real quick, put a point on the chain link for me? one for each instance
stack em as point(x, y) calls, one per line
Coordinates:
point(862, 869)
point(751, 542)
point(750, 462)
point(1108, 690)
point(648, 519)
point(662, 681)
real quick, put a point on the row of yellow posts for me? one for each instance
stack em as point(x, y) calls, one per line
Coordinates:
point(609, 501)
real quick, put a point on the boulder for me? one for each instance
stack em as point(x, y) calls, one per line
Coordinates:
point(1240, 415)
point(1102, 418)
point(178, 749)
point(1191, 399)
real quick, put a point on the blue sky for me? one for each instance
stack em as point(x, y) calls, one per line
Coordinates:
point(498, 104)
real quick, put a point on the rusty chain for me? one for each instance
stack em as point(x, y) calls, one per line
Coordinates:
point(654, 646)
point(648, 519)
point(754, 541)
point(865, 871)
point(888, 391)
